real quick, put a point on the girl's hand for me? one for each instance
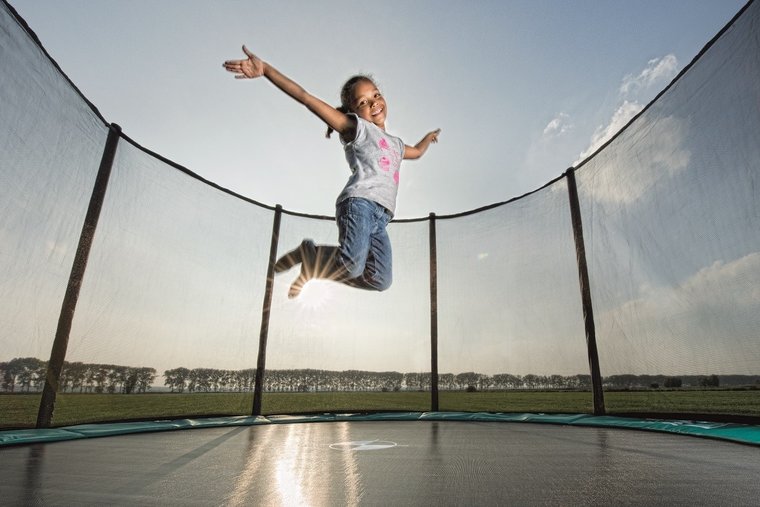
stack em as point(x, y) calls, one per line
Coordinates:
point(432, 137)
point(419, 149)
point(251, 67)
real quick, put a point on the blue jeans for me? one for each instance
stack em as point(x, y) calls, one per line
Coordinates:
point(365, 248)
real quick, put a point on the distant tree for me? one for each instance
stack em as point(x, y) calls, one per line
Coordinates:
point(673, 382)
point(74, 375)
point(581, 381)
point(4, 381)
point(468, 379)
point(112, 376)
point(182, 375)
point(531, 381)
point(40, 375)
point(485, 382)
point(623, 381)
point(446, 381)
point(558, 382)
point(130, 382)
point(243, 380)
point(506, 381)
point(100, 376)
point(22, 372)
point(711, 381)
point(414, 381)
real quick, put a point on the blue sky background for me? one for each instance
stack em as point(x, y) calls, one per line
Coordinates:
point(521, 89)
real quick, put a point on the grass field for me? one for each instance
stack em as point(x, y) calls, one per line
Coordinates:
point(20, 410)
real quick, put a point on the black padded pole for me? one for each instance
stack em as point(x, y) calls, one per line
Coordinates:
point(70, 298)
point(433, 317)
point(588, 311)
point(258, 387)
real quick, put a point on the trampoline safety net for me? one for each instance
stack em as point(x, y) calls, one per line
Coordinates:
point(173, 316)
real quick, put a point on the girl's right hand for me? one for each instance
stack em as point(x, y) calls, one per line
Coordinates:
point(251, 67)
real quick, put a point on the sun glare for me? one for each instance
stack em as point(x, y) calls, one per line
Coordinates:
point(316, 294)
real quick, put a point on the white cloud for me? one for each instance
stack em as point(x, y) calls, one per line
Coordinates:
point(650, 156)
point(706, 323)
point(735, 284)
point(659, 154)
point(559, 125)
point(657, 71)
point(604, 133)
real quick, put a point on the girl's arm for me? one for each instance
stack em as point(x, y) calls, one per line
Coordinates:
point(253, 67)
point(419, 149)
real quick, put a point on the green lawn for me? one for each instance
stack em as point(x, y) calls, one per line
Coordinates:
point(20, 410)
point(740, 402)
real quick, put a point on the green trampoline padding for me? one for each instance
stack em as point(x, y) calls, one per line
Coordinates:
point(742, 433)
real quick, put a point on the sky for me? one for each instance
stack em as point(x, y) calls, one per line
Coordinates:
point(521, 89)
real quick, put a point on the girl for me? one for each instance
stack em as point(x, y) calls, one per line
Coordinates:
point(368, 201)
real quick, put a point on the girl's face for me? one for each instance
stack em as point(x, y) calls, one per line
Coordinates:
point(368, 103)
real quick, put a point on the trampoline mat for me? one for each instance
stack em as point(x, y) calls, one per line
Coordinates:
point(384, 463)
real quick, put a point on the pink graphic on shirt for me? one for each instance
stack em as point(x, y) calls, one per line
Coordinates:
point(393, 159)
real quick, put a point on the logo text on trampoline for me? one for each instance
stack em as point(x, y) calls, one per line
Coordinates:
point(363, 445)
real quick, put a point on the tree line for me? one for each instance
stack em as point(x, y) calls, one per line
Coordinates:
point(312, 380)
point(28, 375)
point(675, 382)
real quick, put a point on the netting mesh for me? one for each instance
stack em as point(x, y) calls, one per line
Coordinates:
point(51, 143)
point(176, 282)
point(508, 290)
point(671, 210)
point(333, 329)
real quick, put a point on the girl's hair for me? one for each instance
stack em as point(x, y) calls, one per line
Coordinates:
point(345, 94)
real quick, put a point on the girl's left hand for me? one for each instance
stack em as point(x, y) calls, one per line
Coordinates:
point(433, 136)
point(251, 67)
point(419, 149)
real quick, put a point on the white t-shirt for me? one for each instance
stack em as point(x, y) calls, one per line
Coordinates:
point(374, 157)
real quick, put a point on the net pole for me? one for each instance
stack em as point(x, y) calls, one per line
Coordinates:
point(71, 297)
point(258, 387)
point(433, 317)
point(585, 287)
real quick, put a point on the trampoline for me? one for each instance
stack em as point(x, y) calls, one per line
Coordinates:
point(384, 463)
point(496, 382)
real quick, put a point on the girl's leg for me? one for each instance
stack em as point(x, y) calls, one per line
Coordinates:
point(362, 260)
point(365, 248)
point(303, 251)
point(378, 267)
point(319, 262)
